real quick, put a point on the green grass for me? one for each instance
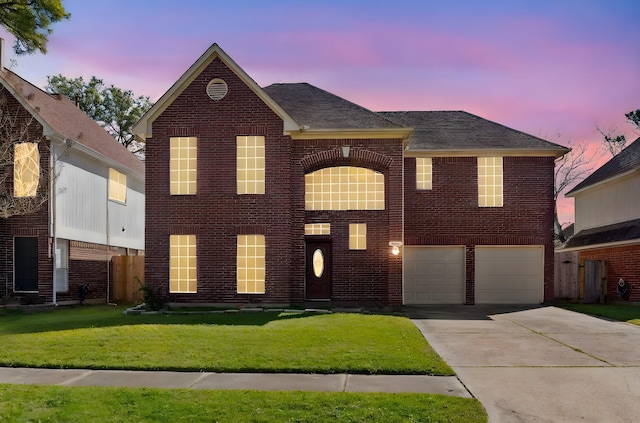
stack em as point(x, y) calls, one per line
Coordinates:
point(621, 312)
point(83, 404)
point(104, 338)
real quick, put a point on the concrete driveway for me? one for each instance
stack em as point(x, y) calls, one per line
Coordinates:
point(541, 364)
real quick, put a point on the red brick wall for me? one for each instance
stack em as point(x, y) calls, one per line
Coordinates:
point(216, 215)
point(449, 213)
point(622, 262)
point(32, 225)
point(360, 277)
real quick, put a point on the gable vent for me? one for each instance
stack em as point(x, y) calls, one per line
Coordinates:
point(217, 89)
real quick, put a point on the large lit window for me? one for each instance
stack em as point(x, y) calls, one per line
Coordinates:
point(251, 264)
point(317, 229)
point(490, 182)
point(357, 236)
point(182, 264)
point(250, 164)
point(183, 166)
point(117, 186)
point(26, 169)
point(423, 173)
point(344, 188)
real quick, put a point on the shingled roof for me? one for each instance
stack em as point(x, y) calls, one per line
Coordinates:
point(625, 161)
point(60, 116)
point(459, 130)
point(314, 108)
point(617, 232)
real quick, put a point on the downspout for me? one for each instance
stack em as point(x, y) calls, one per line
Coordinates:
point(52, 206)
point(108, 247)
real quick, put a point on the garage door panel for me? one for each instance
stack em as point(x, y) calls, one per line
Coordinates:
point(434, 275)
point(509, 274)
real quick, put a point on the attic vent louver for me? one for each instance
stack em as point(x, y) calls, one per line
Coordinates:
point(217, 89)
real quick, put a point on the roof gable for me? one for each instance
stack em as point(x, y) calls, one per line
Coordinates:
point(625, 161)
point(144, 127)
point(449, 131)
point(61, 118)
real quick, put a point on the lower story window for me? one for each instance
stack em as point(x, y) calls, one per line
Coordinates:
point(357, 236)
point(251, 264)
point(182, 267)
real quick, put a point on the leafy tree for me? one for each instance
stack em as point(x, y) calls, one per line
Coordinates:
point(29, 21)
point(115, 109)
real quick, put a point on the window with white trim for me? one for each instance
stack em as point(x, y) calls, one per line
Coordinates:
point(250, 166)
point(182, 264)
point(344, 188)
point(423, 173)
point(117, 186)
point(183, 165)
point(26, 169)
point(357, 236)
point(490, 182)
point(251, 266)
point(317, 229)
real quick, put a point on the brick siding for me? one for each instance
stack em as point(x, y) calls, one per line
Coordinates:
point(622, 262)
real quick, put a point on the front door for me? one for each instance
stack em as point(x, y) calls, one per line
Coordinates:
point(25, 255)
point(318, 269)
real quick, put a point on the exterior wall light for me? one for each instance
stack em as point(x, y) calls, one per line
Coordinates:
point(395, 247)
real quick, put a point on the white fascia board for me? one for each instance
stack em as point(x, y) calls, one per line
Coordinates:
point(603, 182)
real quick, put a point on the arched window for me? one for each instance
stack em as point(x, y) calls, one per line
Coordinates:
point(344, 188)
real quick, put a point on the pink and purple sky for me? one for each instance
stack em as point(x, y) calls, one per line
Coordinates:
point(552, 68)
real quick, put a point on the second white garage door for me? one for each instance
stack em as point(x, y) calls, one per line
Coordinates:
point(509, 274)
point(434, 275)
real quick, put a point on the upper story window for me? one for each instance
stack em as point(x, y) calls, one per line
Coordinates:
point(26, 169)
point(183, 167)
point(344, 188)
point(490, 182)
point(423, 173)
point(117, 186)
point(250, 164)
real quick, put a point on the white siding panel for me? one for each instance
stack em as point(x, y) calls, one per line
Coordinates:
point(509, 274)
point(609, 203)
point(434, 275)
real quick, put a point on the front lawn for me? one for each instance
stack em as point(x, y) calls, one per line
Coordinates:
point(99, 337)
point(622, 312)
point(98, 404)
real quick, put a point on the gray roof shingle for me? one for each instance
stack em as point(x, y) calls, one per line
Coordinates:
point(459, 130)
point(319, 109)
point(618, 232)
point(628, 159)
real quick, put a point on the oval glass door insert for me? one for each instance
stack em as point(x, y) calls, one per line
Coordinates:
point(318, 263)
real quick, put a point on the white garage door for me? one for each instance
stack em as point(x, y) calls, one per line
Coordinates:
point(509, 274)
point(434, 275)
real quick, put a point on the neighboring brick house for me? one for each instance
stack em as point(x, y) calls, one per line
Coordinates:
point(94, 206)
point(289, 194)
point(607, 222)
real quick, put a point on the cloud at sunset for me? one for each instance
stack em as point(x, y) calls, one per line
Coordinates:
point(549, 68)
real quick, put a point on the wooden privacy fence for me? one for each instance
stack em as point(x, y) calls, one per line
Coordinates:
point(566, 274)
point(127, 277)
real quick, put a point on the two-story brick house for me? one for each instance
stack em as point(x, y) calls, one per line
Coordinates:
point(93, 199)
point(290, 194)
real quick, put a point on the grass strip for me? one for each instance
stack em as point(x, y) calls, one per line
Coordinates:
point(82, 404)
point(621, 312)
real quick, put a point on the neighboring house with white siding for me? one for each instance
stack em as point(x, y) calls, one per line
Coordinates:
point(95, 208)
point(607, 221)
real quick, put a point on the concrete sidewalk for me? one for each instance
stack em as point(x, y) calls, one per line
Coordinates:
point(446, 385)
